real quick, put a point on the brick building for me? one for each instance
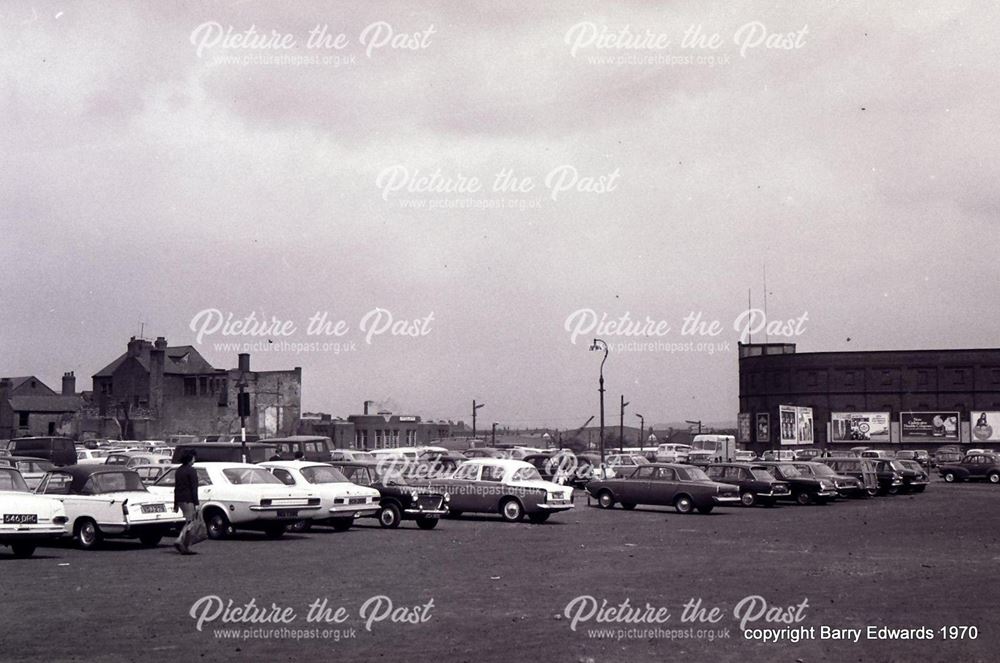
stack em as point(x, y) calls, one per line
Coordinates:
point(29, 407)
point(920, 398)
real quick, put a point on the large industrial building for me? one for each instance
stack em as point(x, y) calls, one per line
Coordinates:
point(882, 399)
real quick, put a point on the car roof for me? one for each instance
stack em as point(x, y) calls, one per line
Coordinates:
point(292, 464)
point(506, 463)
point(34, 458)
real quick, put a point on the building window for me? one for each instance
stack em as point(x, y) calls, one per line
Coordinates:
point(849, 378)
point(886, 378)
point(812, 379)
point(203, 385)
point(411, 438)
point(190, 387)
point(22, 419)
point(395, 437)
point(959, 376)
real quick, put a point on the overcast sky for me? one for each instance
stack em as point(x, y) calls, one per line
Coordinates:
point(154, 168)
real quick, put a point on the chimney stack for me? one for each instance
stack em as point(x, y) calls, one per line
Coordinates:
point(244, 362)
point(69, 384)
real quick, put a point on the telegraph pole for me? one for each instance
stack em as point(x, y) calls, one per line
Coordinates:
point(474, 408)
point(621, 426)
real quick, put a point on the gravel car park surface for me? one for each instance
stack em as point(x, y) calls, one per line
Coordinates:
point(500, 590)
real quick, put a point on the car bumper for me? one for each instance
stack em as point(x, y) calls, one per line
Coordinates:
point(553, 507)
point(21, 534)
point(723, 499)
point(274, 509)
point(357, 510)
point(826, 493)
point(427, 513)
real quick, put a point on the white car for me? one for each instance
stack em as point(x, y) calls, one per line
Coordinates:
point(91, 456)
point(672, 453)
point(31, 469)
point(340, 500)
point(107, 501)
point(243, 496)
point(624, 463)
point(745, 456)
point(351, 455)
point(26, 519)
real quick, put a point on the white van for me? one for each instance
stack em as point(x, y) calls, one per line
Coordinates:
point(672, 453)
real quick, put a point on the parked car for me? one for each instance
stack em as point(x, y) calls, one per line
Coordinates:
point(919, 455)
point(228, 438)
point(808, 454)
point(400, 499)
point(57, 450)
point(861, 469)
point(512, 488)
point(482, 452)
point(435, 464)
point(623, 463)
point(877, 453)
point(745, 456)
point(91, 456)
point(31, 469)
point(779, 455)
point(224, 452)
point(756, 485)
point(890, 479)
point(946, 457)
point(350, 455)
point(845, 484)
point(553, 467)
point(135, 460)
point(972, 468)
point(244, 496)
point(672, 453)
point(683, 487)
point(806, 489)
point(915, 477)
point(150, 473)
point(104, 502)
point(26, 519)
point(306, 447)
point(341, 501)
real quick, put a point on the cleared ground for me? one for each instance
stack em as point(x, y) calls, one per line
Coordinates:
point(499, 591)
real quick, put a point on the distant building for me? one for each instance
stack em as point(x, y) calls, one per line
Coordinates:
point(887, 399)
point(154, 390)
point(366, 431)
point(29, 407)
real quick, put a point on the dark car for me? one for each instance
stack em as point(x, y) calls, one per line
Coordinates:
point(861, 469)
point(400, 500)
point(58, 450)
point(225, 452)
point(302, 447)
point(683, 487)
point(846, 485)
point(973, 467)
point(433, 464)
point(914, 474)
point(755, 483)
point(806, 489)
point(553, 467)
point(890, 476)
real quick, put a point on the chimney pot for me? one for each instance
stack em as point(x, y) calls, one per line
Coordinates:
point(244, 362)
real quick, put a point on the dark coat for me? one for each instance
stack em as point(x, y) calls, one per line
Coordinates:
point(186, 485)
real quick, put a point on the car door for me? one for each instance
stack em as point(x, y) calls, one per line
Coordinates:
point(463, 485)
point(976, 466)
point(662, 487)
point(635, 488)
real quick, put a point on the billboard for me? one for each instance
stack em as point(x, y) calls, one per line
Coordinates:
point(937, 426)
point(796, 424)
point(763, 427)
point(859, 427)
point(743, 428)
point(985, 426)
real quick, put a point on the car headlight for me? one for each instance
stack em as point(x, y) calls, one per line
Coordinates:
point(60, 520)
point(414, 495)
point(447, 497)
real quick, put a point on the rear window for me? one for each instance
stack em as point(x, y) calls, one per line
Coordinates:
point(113, 482)
point(249, 475)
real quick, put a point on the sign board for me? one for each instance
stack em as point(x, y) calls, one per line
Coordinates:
point(743, 428)
point(935, 426)
point(763, 427)
point(985, 426)
point(859, 427)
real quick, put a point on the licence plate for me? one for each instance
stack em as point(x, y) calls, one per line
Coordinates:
point(154, 508)
point(20, 519)
point(288, 513)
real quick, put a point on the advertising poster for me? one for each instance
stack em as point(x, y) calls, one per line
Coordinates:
point(985, 426)
point(743, 428)
point(788, 419)
point(941, 426)
point(763, 427)
point(859, 427)
point(804, 425)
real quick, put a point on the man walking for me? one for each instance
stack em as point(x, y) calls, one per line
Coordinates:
point(186, 499)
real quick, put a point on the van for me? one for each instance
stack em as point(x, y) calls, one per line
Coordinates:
point(223, 452)
point(57, 450)
point(711, 448)
point(314, 448)
point(672, 453)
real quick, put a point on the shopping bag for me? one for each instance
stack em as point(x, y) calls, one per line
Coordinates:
point(195, 531)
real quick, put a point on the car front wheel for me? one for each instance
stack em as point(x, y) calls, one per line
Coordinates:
point(538, 518)
point(683, 504)
point(605, 499)
point(803, 498)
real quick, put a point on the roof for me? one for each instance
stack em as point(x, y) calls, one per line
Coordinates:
point(178, 360)
point(81, 473)
point(17, 382)
point(45, 403)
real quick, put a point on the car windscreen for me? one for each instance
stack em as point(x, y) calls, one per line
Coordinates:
point(323, 474)
point(526, 474)
point(12, 480)
point(761, 474)
point(692, 474)
point(896, 465)
point(113, 482)
point(789, 470)
point(821, 470)
point(248, 475)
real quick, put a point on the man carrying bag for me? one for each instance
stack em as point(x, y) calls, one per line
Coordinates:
point(186, 500)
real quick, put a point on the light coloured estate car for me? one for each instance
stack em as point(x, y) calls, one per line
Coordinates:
point(103, 501)
point(243, 496)
point(26, 519)
point(340, 500)
point(512, 488)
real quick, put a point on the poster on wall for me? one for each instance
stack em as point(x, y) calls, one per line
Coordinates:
point(787, 419)
point(929, 426)
point(804, 425)
point(763, 427)
point(859, 427)
point(985, 426)
point(743, 428)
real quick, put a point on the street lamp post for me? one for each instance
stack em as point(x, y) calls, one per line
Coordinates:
point(642, 428)
point(601, 345)
point(474, 408)
point(621, 426)
point(493, 441)
point(694, 423)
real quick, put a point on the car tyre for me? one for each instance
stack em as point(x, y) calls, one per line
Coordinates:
point(919, 489)
point(707, 509)
point(300, 526)
point(803, 498)
point(217, 524)
point(605, 499)
point(994, 477)
point(275, 530)
point(748, 498)
point(538, 518)
point(22, 550)
point(684, 504)
point(88, 535)
point(511, 510)
point(423, 522)
point(341, 524)
point(949, 477)
point(628, 506)
point(150, 540)
point(389, 516)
